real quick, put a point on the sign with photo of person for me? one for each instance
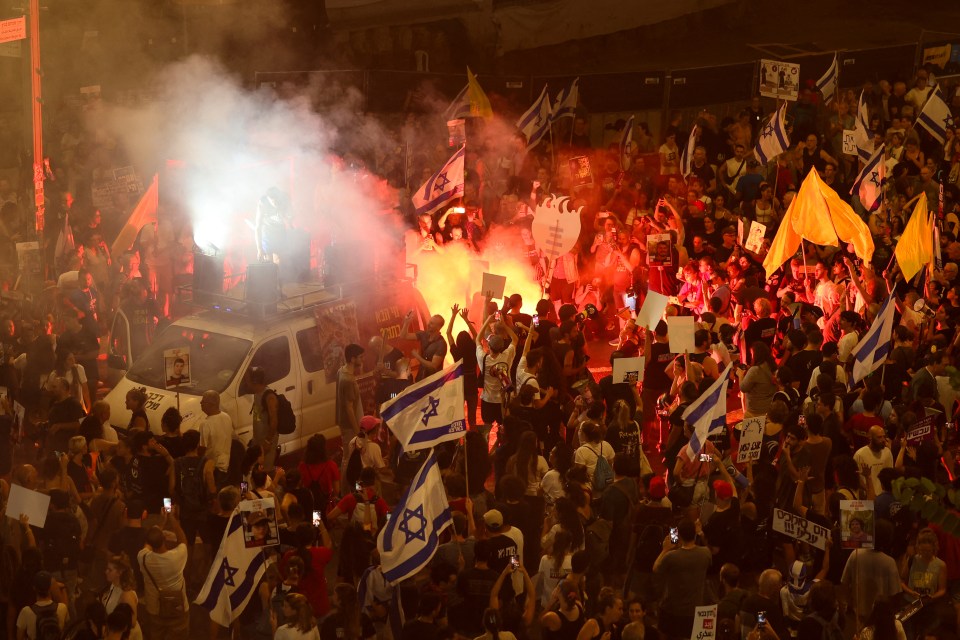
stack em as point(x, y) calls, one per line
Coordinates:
point(259, 523)
point(857, 524)
point(659, 250)
point(176, 367)
point(780, 80)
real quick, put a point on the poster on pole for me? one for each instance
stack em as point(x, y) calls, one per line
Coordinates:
point(857, 523)
point(259, 523)
point(627, 370)
point(704, 623)
point(780, 80)
point(659, 250)
point(755, 237)
point(800, 529)
point(751, 439)
point(651, 311)
point(493, 285)
point(680, 333)
point(176, 367)
point(581, 173)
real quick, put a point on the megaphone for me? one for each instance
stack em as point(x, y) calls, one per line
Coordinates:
point(921, 307)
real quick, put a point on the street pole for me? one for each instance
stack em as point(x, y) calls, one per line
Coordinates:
point(36, 110)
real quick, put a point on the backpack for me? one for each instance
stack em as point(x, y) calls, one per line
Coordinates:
point(47, 624)
point(483, 372)
point(597, 541)
point(602, 473)
point(61, 542)
point(648, 547)
point(354, 466)
point(365, 513)
point(191, 490)
point(286, 418)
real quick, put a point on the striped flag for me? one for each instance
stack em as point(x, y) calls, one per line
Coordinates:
point(626, 141)
point(708, 413)
point(773, 137)
point(567, 101)
point(411, 536)
point(869, 184)
point(862, 136)
point(686, 157)
point(876, 344)
point(442, 187)
point(535, 123)
point(428, 412)
point(827, 84)
point(234, 575)
point(459, 109)
point(935, 116)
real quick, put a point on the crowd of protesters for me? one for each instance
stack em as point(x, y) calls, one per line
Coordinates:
point(578, 512)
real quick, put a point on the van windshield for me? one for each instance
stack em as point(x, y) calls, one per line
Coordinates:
point(214, 359)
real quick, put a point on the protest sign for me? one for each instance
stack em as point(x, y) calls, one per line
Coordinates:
point(13, 29)
point(651, 311)
point(751, 439)
point(780, 80)
point(580, 172)
point(922, 429)
point(800, 529)
point(627, 370)
point(849, 142)
point(493, 285)
point(659, 250)
point(259, 523)
point(704, 623)
point(755, 237)
point(32, 503)
point(680, 331)
point(856, 524)
point(176, 366)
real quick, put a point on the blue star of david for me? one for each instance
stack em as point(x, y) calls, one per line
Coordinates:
point(875, 177)
point(430, 410)
point(539, 119)
point(404, 526)
point(227, 572)
point(441, 182)
point(767, 131)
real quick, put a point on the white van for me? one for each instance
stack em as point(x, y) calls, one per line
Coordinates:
point(300, 346)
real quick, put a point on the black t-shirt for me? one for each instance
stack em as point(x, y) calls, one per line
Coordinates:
point(66, 410)
point(802, 364)
point(474, 586)
point(148, 481)
point(332, 627)
point(612, 392)
point(723, 530)
point(173, 444)
point(501, 548)
point(655, 372)
point(762, 330)
point(417, 629)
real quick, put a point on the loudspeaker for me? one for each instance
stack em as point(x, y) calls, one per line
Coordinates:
point(347, 262)
point(262, 287)
point(295, 264)
point(207, 277)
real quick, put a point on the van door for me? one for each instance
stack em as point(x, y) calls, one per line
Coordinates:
point(275, 356)
point(119, 357)
point(319, 396)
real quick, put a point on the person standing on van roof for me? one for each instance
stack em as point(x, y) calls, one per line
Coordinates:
point(264, 410)
point(433, 348)
point(216, 434)
point(349, 407)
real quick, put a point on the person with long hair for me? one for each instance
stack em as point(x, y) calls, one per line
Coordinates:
point(882, 623)
point(757, 384)
point(555, 565)
point(528, 465)
point(313, 581)
point(301, 623)
point(136, 400)
point(318, 474)
point(66, 367)
point(551, 485)
point(609, 610)
point(564, 517)
point(121, 588)
point(493, 627)
point(565, 619)
point(346, 621)
point(923, 575)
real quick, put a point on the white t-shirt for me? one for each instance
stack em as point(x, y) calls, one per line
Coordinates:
point(533, 482)
point(876, 461)
point(290, 632)
point(492, 389)
point(370, 454)
point(27, 620)
point(550, 577)
point(216, 434)
point(587, 456)
point(525, 377)
point(846, 344)
point(552, 486)
point(167, 569)
point(841, 377)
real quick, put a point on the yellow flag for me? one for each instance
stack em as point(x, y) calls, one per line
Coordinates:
point(479, 103)
point(915, 247)
point(811, 212)
point(784, 245)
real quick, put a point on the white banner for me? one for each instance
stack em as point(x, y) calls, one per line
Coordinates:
point(751, 439)
point(800, 529)
point(704, 623)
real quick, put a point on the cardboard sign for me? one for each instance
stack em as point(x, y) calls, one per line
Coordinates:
point(493, 285)
point(780, 80)
point(259, 523)
point(581, 174)
point(651, 311)
point(857, 524)
point(627, 370)
point(659, 250)
point(922, 429)
point(755, 237)
point(14, 29)
point(33, 503)
point(176, 367)
point(751, 439)
point(800, 529)
point(680, 331)
point(704, 623)
point(849, 142)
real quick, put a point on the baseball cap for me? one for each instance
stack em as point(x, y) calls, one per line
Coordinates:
point(723, 489)
point(369, 423)
point(41, 581)
point(658, 488)
point(493, 519)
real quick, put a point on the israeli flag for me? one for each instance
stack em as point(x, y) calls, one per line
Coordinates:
point(935, 116)
point(410, 538)
point(773, 137)
point(686, 156)
point(876, 344)
point(566, 102)
point(827, 84)
point(869, 183)
point(459, 109)
point(708, 414)
point(234, 575)
point(429, 412)
point(442, 187)
point(626, 141)
point(535, 123)
point(862, 136)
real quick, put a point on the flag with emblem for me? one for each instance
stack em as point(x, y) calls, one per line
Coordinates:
point(535, 123)
point(827, 84)
point(862, 136)
point(626, 143)
point(566, 103)
point(935, 116)
point(234, 575)
point(459, 109)
point(429, 412)
point(442, 187)
point(686, 157)
point(877, 343)
point(412, 534)
point(773, 137)
point(708, 413)
point(869, 184)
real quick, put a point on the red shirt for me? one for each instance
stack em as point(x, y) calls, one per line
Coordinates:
point(314, 585)
point(326, 474)
point(858, 426)
point(349, 502)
